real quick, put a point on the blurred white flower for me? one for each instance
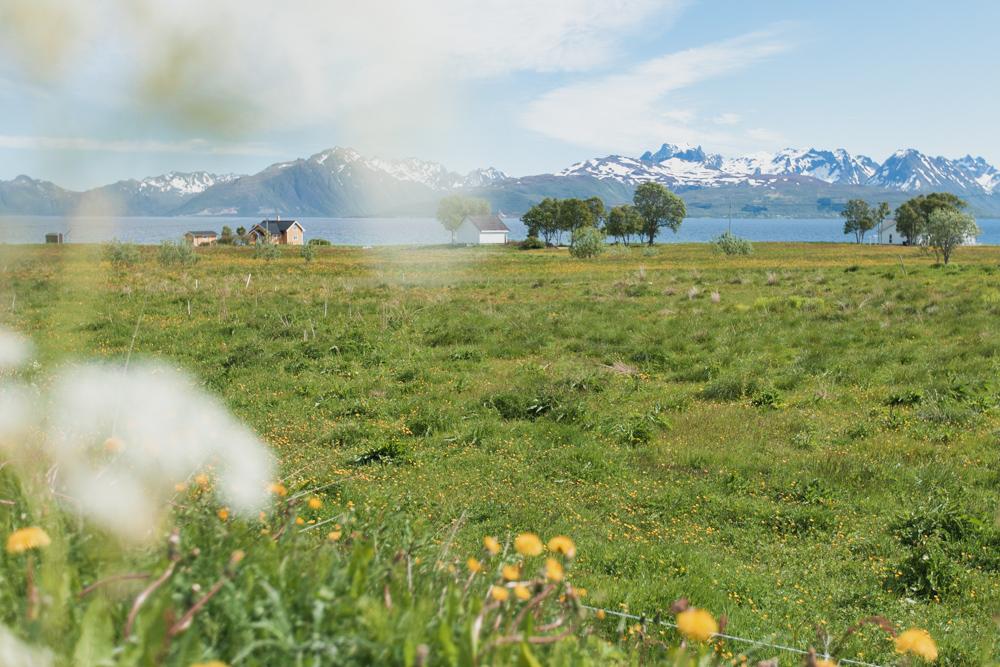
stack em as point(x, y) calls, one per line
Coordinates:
point(15, 412)
point(15, 653)
point(122, 439)
point(14, 349)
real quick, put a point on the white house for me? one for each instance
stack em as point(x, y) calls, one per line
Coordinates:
point(886, 234)
point(482, 230)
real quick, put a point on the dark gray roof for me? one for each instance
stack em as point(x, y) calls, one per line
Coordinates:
point(202, 233)
point(277, 226)
point(488, 223)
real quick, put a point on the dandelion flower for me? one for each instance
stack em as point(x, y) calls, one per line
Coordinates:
point(499, 593)
point(554, 570)
point(315, 503)
point(26, 539)
point(697, 624)
point(210, 663)
point(299, 521)
point(528, 544)
point(180, 487)
point(824, 662)
point(601, 615)
point(113, 445)
point(473, 565)
point(511, 572)
point(201, 479)
point(918, 642)
point(521, 592)
point(223, 514)
point(562, 545)
point(334, 535)
point(278, 489)
point(491, 545)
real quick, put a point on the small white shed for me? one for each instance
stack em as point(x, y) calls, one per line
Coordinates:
point(886, 234)
point(482, 230)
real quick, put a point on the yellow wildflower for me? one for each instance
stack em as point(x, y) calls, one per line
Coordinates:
point(315, 503)
point(210, 663)
point(601, 615)
point(180, 487)
point(223, 514)
point(562, 545)
point(113, 445)
point(554, 570)
point(334, 535)
point(511, 572)
point(697, 624)
point(823, 662)
point(918, 642)
point(26, 539)
point(299, 521)
point(528, 544)
point(522, 592)
point(499, 593)
point(278, 489)
point(201, 479)
point(491, 545)
point(473, 565)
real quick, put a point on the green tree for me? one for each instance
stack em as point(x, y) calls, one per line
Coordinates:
point(623, 222)
point(574, 214)
point(597, 209)
point(946, 230)
point(860, 218)
point(453, 209)
point(226, 237)
point(543, 218)
point(658, 207)
point(913, 215)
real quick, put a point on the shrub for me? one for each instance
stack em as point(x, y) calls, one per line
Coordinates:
point(587, 243)
point(531, 243)
point(730, 244)
point(322, 242)
point(121, 254)
point(266, 250)
point(308, 252)
point(176, 253)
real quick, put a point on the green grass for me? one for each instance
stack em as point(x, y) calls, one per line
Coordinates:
point(817, 445)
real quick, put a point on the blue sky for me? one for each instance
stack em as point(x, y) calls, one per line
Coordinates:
point(94, 92)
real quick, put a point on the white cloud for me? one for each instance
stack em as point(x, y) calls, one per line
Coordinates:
point(626, 111)
point(727, 119)
point(764, 135)
point(129, 146)
point(249, 64)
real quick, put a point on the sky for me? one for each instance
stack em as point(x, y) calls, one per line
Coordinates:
point(105, 90)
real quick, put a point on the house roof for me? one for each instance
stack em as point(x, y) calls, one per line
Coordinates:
point(277, 226)
point(488, 223)
point(202, 233)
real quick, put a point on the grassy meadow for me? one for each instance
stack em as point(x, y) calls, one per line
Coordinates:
point(797, 439)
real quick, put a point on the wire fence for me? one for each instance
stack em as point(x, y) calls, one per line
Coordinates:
point(734, 638)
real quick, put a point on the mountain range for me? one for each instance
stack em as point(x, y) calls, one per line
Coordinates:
point(340, 182)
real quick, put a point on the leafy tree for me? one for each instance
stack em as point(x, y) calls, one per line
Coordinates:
point(226, 237)
point(913, 215)
point(587, 242)
point(543, 218)
point(453, 209)
point(860, 218)
point(575, 214)
point(623, 222)
point(658, 207)
point(597, 209)
point(946, 230)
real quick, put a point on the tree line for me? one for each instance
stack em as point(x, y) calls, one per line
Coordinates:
point(653, 208)
point(936, 221)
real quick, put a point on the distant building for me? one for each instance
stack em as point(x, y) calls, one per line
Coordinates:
point(482, 230)
point(54, 237)
point(886, 234)
point(284, 232)
point(201, 238)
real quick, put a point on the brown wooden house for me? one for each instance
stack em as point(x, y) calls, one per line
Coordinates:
point(283, 232)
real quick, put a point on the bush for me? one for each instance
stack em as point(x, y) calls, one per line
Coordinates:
point(319, 242)
point(308, 252)
point(121, 254)
point(730, 244)
point(531, 243)
point(176, 252)
point(267, 250)
point(587, 242)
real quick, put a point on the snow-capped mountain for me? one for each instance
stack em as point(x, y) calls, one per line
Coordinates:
point(183, 183)
point(691, 166)
point(412, 170)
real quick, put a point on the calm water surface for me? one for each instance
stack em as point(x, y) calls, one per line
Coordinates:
point(404, 231)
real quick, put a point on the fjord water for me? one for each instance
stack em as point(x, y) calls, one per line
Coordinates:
point(407, 231)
